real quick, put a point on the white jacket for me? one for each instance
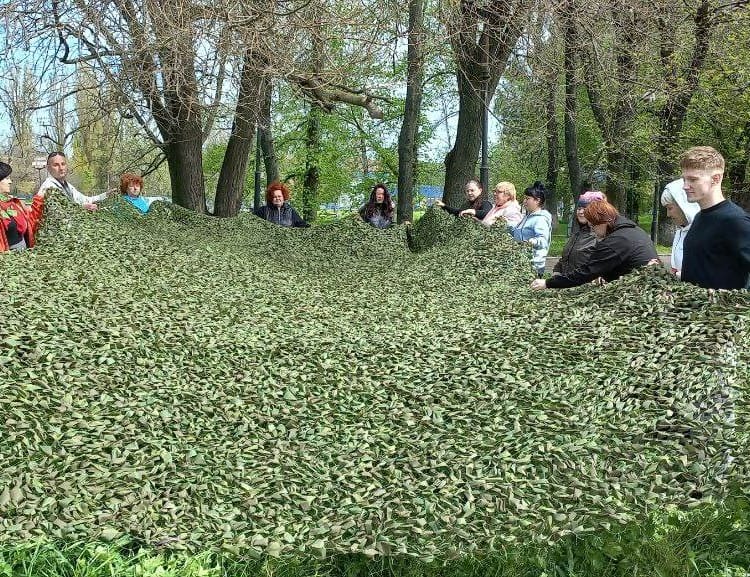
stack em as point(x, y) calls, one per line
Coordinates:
point(689, 209)
point(71, 192)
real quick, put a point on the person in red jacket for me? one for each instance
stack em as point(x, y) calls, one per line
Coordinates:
point(18, 222)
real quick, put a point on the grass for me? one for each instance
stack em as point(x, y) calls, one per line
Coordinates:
point(710, 541)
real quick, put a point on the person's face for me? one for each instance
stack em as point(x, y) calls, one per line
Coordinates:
point(277, 198)
point(579, 215)
point(675, 213)
point(379, 195)
point(472, 191)
point(501, 197)
point(600, 230)
point(531, 203)
point(698, 183)
point(5, 184)
point(57, 166)
point(134, 190)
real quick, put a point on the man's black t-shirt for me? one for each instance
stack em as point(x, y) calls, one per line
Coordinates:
point(717, 248)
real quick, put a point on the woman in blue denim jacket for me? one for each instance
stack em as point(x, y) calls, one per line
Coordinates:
point(536, 226)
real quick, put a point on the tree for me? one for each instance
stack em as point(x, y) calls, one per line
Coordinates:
point(482, 35)
point(613, 92)
point(682, 58)
point(570, 44)
point(408, 143)
point(180, 66)
point(19, 95)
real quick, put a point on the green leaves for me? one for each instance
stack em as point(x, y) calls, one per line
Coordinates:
point(221, 384)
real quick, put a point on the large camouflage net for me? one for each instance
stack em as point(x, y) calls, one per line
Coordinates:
point(199, 383)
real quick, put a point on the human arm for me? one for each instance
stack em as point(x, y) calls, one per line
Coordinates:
point(604, 258)
point(446, 208)
point(35, 212)
point(742, 234)
point(542, 232)
point(483, 210)
point(297, 221)
point(85, 201)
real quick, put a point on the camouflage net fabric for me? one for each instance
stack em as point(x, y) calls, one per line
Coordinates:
point(200, 383)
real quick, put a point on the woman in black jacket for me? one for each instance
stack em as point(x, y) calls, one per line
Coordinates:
point(475, 205)
point(622, 247)
point(277, 208)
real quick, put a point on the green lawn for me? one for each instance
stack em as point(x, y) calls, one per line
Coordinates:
point(711, 541)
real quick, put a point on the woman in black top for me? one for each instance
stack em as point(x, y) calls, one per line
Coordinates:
point(622, 247)
point(475, 205)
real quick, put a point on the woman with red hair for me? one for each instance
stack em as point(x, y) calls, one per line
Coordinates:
point(622, 247)
point(131, 186)
point(277, 208)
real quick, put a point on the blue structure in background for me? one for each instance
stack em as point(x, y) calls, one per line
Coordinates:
point(425, 195)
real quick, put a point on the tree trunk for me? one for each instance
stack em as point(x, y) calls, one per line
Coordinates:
point(312, 164)
point(666, 171)
point(632, 195)
point(408, 146)
point(481, 58)
point(231, 186)
point(185, 159)
point(552, 146)
point(570, 40)
point(461, 161)
point(617, 179)
point(270, 161)
point(681, 85)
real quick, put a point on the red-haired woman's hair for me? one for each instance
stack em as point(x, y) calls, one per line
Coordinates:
point(129, 179)
point(276, 185)
point(601, 212)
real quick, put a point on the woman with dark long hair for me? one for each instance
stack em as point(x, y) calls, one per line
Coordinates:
point(378, 211)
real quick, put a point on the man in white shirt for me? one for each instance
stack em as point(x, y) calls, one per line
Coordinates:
point(57, 167)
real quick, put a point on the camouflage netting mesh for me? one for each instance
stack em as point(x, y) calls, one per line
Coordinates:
point(206, 383)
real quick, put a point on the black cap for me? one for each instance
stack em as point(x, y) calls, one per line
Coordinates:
point(5, 170)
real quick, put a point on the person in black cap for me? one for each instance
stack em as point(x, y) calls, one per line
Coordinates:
point(18, 222)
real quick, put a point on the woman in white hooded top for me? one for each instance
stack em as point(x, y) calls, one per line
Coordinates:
point(682, 213)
